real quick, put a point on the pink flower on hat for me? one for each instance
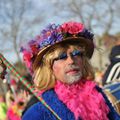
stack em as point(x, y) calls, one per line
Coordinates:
point(72, 27)
point(27, 57)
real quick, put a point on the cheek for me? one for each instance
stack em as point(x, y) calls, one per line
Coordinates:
point(58, 70)
point(55, 68)
point(79, 63)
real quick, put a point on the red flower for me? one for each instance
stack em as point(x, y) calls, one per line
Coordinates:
point(27, 57)
point(72, 27)
point(34, 48)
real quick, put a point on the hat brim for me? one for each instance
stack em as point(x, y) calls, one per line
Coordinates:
point(87, 43)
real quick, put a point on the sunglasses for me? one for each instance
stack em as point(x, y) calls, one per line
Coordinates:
point(64, 55)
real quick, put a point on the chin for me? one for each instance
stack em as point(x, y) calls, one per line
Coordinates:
point(73, 81)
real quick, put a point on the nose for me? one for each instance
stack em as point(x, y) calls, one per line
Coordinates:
point(70, 59)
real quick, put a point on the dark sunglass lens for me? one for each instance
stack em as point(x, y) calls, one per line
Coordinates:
point(63, 56)
point(76, 53)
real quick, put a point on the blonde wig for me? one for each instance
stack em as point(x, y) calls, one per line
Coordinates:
point(43, 74)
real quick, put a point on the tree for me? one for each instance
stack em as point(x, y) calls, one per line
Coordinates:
point(17, 22)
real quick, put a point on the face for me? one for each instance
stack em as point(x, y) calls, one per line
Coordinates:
point(67, 67)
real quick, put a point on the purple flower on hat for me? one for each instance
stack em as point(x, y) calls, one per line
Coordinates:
point(51, 35)
point(33, 46)
point(87, 34)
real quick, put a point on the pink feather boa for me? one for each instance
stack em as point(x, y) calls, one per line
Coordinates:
point(83, 100)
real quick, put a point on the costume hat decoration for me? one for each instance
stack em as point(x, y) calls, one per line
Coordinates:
point(55, 34)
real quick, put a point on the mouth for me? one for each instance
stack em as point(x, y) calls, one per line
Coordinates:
point(72, 72)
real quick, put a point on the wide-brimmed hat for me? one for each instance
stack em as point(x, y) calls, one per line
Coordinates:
point(56, 34)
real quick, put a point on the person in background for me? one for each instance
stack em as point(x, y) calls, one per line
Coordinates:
point(112, 74)
point(59, 60)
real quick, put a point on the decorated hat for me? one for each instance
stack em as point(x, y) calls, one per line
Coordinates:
point(55, 34)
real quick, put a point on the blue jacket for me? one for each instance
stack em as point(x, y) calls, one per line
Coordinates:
point(39, 112)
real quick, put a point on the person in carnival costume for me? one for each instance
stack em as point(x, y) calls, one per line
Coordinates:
point(59, 61)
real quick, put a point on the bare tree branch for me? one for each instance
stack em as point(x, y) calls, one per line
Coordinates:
point(17, 22)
